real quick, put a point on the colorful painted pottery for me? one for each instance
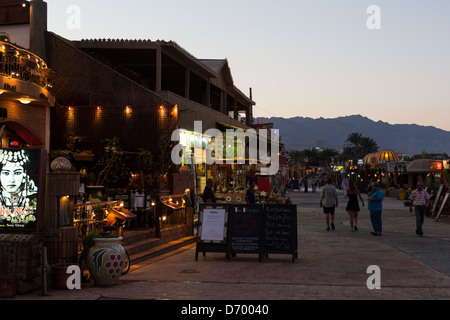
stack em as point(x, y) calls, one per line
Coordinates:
point(106, 260)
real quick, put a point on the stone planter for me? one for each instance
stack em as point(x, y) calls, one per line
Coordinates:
point(106, 260)
point(83, 157)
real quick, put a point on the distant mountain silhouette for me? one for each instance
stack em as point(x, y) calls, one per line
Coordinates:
point(300, 133)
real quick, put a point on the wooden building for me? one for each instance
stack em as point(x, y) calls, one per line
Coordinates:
point(138, 90)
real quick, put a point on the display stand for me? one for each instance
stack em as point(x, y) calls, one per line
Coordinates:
point(212, 230)
point(436, 200)
point(249, 229)
point(280, 230)
point(444, 202)
point(245, 230)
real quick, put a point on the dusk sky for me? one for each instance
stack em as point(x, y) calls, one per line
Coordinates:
point(309, 58)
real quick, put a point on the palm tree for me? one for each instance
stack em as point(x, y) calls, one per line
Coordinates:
point(327, 156)
point(354, 139)
point(368, 145)
point(311, 155)
point(357, 146)
point(295, 160)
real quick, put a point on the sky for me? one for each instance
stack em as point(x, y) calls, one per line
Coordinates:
point(307, 58)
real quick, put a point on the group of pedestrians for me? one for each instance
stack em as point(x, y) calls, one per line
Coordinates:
point(329, 203)
point(375, 196)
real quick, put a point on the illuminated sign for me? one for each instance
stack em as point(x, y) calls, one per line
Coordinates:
point(436, 165)
point(19, 181)
point(14, 143)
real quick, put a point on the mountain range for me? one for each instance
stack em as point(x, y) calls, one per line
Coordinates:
point(299, 133)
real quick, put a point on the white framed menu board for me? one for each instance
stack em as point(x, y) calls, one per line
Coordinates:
point(213, 225)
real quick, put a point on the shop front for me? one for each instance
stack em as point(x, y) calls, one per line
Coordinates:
point(231, 171)
point(25, 221)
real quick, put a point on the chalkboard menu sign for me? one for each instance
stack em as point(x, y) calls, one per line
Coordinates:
point(280, 229)
point(245, 227)
point(259, 229)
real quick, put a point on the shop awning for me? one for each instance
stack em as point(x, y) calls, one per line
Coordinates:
point(420, 166)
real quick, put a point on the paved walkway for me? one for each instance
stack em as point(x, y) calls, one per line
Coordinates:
point(331, 264)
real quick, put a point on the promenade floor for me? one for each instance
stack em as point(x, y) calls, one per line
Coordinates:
point(331, 265)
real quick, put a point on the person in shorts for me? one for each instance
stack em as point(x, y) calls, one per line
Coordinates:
point(329, 202)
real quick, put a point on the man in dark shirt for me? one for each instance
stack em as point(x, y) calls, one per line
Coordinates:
point(250, 195)
point(208, 193)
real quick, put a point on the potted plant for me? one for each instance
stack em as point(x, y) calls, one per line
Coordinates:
point(60, 153)
point(105, 257)
point(85, 155)
point(113, 165)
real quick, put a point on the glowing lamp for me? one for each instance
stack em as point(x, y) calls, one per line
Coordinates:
point(25, 101)
point(61, 164)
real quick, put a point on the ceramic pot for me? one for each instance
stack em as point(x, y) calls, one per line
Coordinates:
point(106, 260)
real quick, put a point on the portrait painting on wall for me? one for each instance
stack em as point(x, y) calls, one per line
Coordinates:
point(19, 173)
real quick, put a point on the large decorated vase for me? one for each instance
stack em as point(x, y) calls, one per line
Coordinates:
point(106, 260)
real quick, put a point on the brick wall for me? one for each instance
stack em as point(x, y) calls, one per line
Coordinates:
point(31, 117)
point(83, 83)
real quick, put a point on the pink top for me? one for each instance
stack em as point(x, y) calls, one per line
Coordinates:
point(419, 198)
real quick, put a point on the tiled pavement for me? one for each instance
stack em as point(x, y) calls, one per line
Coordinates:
point(331, 265)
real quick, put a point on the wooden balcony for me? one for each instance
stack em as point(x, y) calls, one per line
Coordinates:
point(23, 75)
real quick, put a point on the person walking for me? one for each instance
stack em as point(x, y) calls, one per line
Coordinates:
point(250, 194)
point(375, 206)
point(329, 202)
point(419, 198)
point(353, 205)
point(344, 185)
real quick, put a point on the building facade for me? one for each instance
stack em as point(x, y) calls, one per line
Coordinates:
point(140, 91)
point(24, 87)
